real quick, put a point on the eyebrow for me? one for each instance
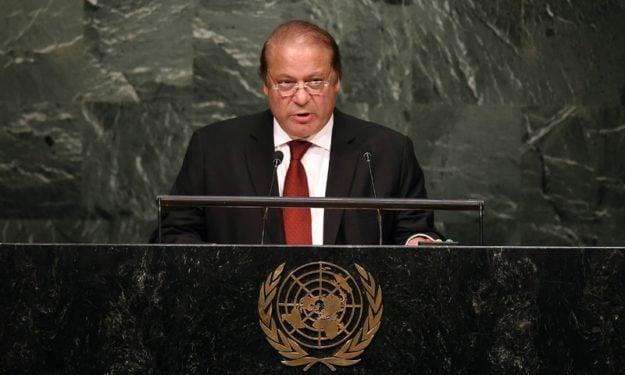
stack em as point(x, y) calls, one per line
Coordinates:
point(306, 78)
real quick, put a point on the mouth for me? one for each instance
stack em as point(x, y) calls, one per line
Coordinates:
point(302, 117)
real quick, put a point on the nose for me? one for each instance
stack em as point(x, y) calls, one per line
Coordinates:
point(301, 96)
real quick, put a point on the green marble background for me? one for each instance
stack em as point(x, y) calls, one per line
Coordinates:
point(519, 103)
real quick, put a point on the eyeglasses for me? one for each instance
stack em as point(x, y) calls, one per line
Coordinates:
point(287, 89)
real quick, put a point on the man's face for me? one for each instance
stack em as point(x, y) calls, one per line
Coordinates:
point(302, 114)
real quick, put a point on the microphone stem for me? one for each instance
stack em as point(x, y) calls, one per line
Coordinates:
point(367, 156)
point(277, 160)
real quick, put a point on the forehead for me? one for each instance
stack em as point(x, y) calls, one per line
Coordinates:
point(298, 56)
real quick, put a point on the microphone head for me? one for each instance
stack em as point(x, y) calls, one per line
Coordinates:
point(277, 158)
point(367, 156)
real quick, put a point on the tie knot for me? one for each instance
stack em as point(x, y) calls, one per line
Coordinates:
point(298, 149)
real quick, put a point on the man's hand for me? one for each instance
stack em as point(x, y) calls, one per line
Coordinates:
point(418, 239)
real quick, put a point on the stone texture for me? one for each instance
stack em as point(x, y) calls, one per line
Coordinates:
point(40, 161)
point(517, 103)
point(573, 175)
point(144, 46)
point(194, 309)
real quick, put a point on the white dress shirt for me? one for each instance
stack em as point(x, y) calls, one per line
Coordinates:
point(316, 161)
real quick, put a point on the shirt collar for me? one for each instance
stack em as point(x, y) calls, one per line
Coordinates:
point(323, 138)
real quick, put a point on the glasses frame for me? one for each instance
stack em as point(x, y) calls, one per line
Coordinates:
point(296, 86)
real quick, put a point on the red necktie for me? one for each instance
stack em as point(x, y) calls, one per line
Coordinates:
point(297, 227)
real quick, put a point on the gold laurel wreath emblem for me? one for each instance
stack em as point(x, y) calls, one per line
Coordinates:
point(294, 355)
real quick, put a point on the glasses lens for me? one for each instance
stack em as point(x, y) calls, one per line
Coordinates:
point(315, 87)
point(286, 87)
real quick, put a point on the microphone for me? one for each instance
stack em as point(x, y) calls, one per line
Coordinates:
point(277, 160)
point(367, 156)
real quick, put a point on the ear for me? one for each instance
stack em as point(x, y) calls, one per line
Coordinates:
point(265, 89)
point(337, 86)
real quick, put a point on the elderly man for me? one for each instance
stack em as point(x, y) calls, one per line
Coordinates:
point(324, 156)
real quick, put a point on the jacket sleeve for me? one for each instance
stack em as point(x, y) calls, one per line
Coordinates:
point(412, 185)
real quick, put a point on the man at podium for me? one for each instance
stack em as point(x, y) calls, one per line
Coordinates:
point(316, 150)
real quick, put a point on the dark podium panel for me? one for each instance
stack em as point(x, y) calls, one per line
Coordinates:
point(123, 309)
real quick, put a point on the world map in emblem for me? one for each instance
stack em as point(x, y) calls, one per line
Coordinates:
point(319, 305)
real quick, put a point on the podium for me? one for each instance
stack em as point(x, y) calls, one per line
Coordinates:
point(174, 309)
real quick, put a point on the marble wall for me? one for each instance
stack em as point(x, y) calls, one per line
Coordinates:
point(519, 103)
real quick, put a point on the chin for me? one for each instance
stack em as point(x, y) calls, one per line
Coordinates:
point(301, 131)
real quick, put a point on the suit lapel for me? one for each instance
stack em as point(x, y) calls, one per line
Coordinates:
point(258, 154)
point(344, 156)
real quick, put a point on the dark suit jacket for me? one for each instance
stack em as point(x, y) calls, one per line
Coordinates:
point(234, 157)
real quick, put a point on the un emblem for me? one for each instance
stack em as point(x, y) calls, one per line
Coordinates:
point(320, 308)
